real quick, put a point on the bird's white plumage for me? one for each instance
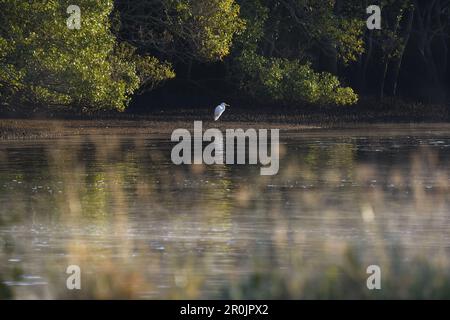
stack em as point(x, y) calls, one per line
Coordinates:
point(219, 110)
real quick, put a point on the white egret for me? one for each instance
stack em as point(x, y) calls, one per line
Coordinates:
point(219, 110)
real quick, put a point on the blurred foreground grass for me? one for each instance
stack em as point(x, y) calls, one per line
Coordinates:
point(416, 279)
point(141, 227)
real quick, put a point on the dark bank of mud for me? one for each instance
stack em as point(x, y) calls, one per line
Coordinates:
point(47, 129)
point(163, 121)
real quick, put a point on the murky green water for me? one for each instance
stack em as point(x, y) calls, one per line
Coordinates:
point(140, 227)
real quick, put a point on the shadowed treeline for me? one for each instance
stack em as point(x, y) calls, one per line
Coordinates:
point(297, 54)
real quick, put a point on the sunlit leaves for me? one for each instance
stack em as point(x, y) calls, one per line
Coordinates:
point(48, 64)
point(282, 42)
point(181, 30)
point(290, 81)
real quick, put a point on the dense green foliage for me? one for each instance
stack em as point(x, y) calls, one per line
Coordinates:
point(181, 30)
point(289, 52)
point(274, 54)
point(43, 62)
point(290, 81)
point(211, 24)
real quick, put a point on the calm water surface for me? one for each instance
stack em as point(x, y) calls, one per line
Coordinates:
point(140, 227)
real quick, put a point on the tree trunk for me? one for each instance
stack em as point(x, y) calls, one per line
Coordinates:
point(383, 77)
point(397, 63)
point(189, 70)
point(365, 64)
point(426, 18)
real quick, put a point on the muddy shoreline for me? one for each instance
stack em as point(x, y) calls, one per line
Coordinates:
point(26, 129)
point(37, 129)
point(163, 121)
